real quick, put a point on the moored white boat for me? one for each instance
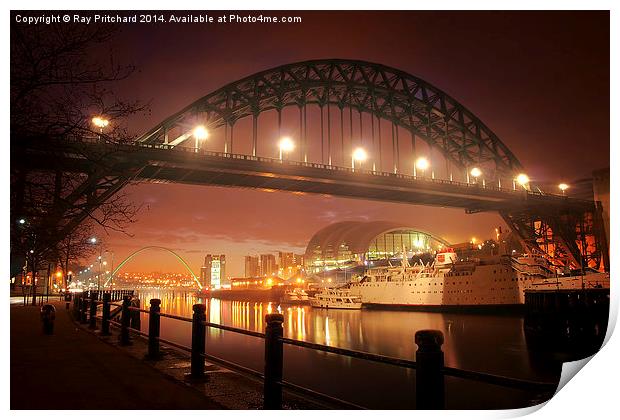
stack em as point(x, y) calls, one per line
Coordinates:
point(450, 282)
point(336, 299)
point(296, 296)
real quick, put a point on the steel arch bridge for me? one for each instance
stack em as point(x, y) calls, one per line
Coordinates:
point(329, 108)
point(161, 248)
point(373, 92)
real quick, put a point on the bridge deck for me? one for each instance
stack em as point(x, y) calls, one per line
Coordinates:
point(163, 163)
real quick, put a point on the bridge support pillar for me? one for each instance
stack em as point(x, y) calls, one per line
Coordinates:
point(154, 325)
point(272, 398)
point(429, 378)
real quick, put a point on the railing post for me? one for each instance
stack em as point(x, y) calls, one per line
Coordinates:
point(198, 341)
point(429, 378)
point(154, 324)
point(272, 398)
point(125, 322)
point(76, 306)
point(93, 311)
point(84, 310)
point(105, 315)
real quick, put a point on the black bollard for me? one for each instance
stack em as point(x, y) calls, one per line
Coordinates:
point(76, 306)
point(272, 398)
point(93, 311)
point(105, 315)
point(48, 315)
point(84, 310)
point(429, 378)
point(198, 341)
point(154, 324)
point(125, 322)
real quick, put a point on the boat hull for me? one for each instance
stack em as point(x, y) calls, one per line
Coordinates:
point(327, 305)
point(506, 309)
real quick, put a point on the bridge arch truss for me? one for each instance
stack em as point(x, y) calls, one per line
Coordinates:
point(353, 97)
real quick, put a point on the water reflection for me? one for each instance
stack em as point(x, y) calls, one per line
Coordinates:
point(494, 344)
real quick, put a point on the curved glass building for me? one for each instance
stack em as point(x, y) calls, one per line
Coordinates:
point(347, 244)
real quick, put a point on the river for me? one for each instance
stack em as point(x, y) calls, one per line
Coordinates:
point(494, 344)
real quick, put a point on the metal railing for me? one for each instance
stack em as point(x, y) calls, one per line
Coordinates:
point(428, 365)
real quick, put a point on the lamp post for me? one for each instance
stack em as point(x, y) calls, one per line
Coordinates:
point(100, 123)
point(94, 241)
point(200, 133)
point(523, 180)
point(475, 172)
point(285, 145)
point(422, 164)
point(563, 187)
point(358, 155)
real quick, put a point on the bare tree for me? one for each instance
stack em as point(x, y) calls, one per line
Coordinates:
point(61, 76)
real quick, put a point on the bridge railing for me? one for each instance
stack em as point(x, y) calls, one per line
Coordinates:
point(428, 365)
point(424, 179)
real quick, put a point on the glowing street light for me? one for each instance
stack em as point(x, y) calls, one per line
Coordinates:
point(358, 155)
point(422, 164)
point(93, 240)
point(523, 180)
point(200, 133)
point(563, 187)
point(285, 145)
point(21, 221)
point(100, 123)
point(475, 172)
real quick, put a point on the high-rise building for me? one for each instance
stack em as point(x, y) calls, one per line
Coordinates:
point(252, 267)
point(268, 265)
point(213, 272)
point(290, 264)
point(299, 260)
point(287, 259)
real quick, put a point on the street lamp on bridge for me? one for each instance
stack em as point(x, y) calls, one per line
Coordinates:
point(523, 180)
point(200, 133)
point(285, 145)
point(475, 172)
point(563, 187)
point(358, 155)
point(422, 164)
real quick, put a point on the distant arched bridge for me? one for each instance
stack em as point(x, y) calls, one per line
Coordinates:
point(346, 128)
point(161, 248)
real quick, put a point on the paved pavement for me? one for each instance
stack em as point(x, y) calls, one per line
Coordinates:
point(74, 369)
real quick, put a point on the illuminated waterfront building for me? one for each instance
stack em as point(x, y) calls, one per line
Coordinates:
point(268, 266)
point(252, 268)
point(290, 264)
point(348, 244)
point(213, 272)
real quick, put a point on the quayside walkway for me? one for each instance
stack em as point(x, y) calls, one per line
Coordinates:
point(74, 369)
